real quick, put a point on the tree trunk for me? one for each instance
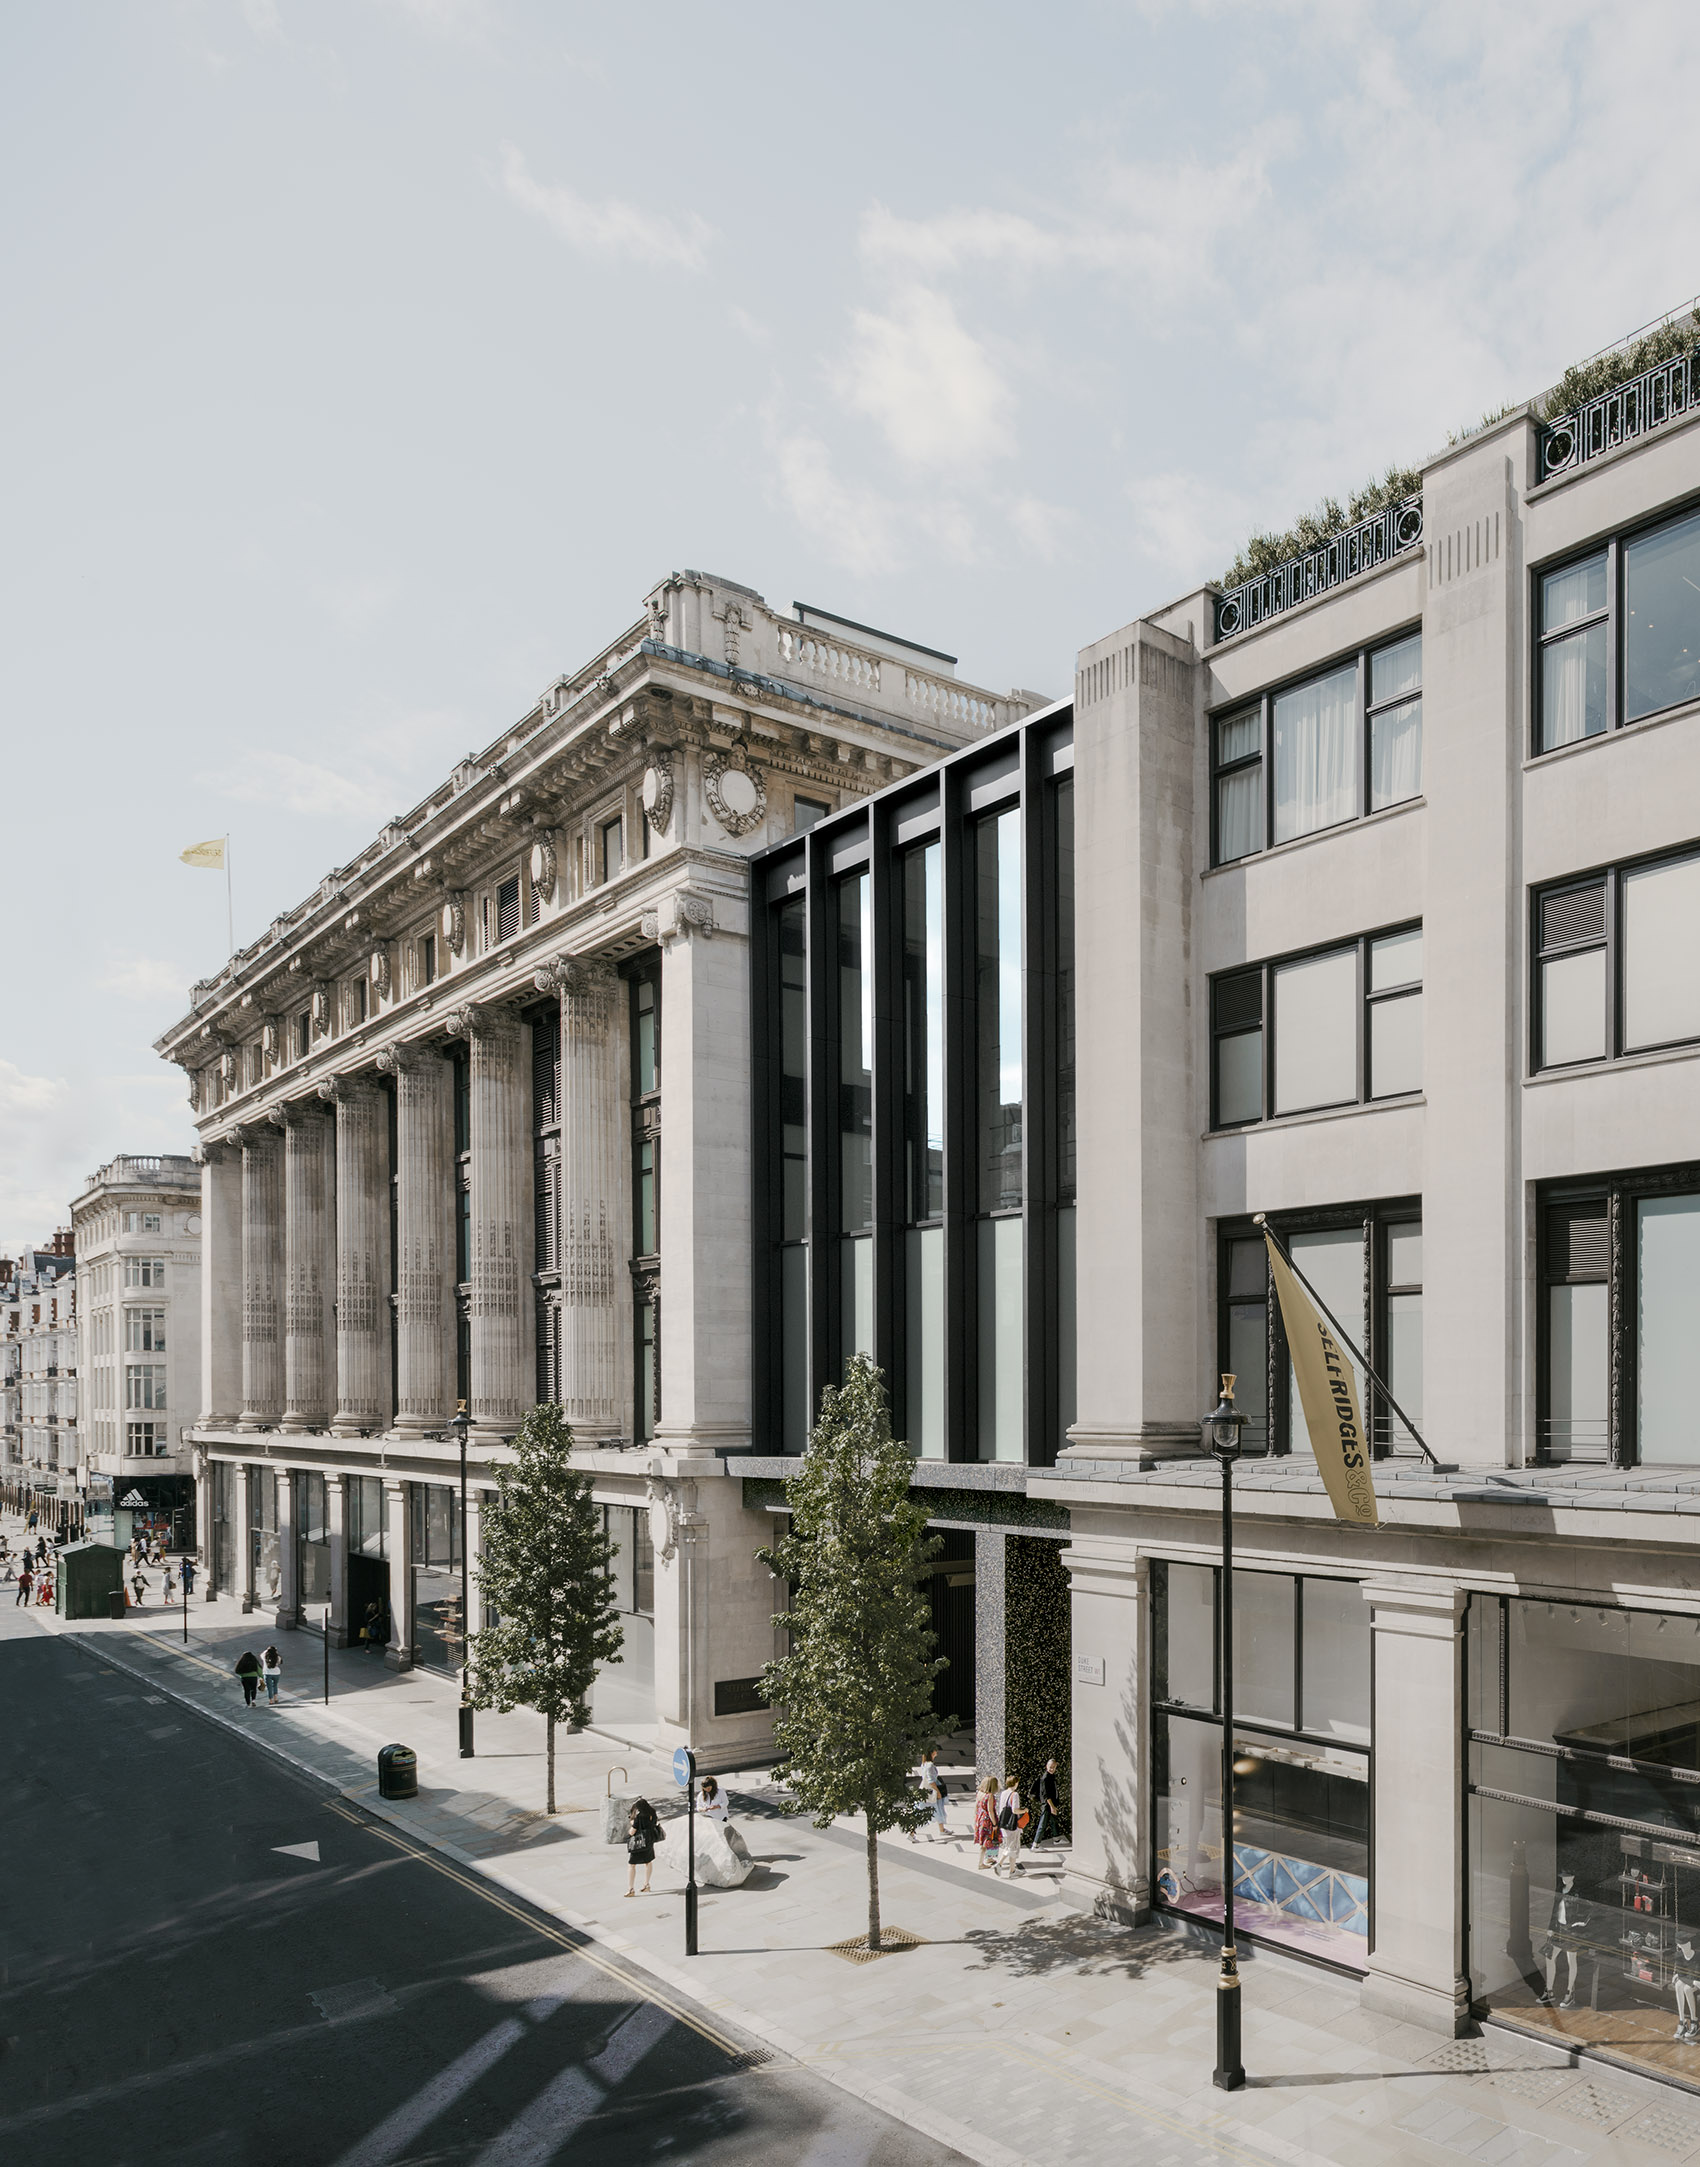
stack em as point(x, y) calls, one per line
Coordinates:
point(549, 1756)
point(873, 1885)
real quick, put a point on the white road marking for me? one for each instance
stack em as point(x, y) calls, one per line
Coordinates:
point(397, 2131)
point(299, 1850)
point(566, 2104)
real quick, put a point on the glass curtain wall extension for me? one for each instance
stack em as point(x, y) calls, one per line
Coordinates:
point(923, 1149)
point(998, 986)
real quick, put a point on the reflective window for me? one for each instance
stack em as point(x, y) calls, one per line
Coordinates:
point(1316, 1031)
point(1573, 653)
point(1639, 594)
point(997, 992)
point(1617, 963)
point(855, 1052)
point(1661, 619)
point(1316, 754)
point(923, 1033)
point(1346, 1025)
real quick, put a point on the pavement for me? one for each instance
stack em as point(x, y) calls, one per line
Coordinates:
point(1010, 2028)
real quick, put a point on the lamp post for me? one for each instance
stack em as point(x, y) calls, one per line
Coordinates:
point(1222, 1427)
point(460, 1426)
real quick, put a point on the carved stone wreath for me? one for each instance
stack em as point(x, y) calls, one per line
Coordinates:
point(738, 805)
point(543, 868)
point(381, 972)
point(658, 789)
point(454, 922)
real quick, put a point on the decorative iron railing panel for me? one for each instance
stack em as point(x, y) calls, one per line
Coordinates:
point(1387, 533)
point(1620, 415)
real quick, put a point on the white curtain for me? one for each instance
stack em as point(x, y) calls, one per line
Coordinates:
point(1396, 755)
point(1316, 754)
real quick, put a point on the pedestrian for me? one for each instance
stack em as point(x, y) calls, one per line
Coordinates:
point(1050, 1808)
point(933, 1786)
point(1011, 1820)
point(986, 1836)
point(188, 1577)
point(643, 1833)
point(170, 1585)
point(248, 1670)
point(44, 1590)
point(31, 1522)
point(711, 1802)
point(139, 1583)
point(271, 1665)
point(26, 1578)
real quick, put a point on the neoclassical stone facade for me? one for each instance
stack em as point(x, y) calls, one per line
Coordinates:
point(475, 1127)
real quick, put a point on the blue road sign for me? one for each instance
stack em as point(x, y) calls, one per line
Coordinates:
point(684, 1767)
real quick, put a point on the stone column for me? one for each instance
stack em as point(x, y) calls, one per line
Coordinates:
point(1417, 1967)
point(501, 1232)
point(989, 1754)
point(1110, 1786)
point(262, 1277)
point(336, 1515)
point(242, 1543)
point(425, 1250)
point(399, 1654)
point(306, 1172)
point(595, 1240)
point(288, 1579)
point(221, 1286)
point(362, 1258)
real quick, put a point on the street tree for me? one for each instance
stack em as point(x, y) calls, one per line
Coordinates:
point(545, 1571)
point(853, 1699)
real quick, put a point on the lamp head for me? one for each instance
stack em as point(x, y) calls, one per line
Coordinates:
point(1222, 1426)
point(458, 1422)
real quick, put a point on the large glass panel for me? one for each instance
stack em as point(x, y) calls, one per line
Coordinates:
point(1316, 1032)
point(646, 1049)
point(1185, 1666)
point(1248, 1360)
point(1396, 960)
point(794, 1069)
point(997, 987)
point(1335, 1690)
point(1576, 592)
point(646, 1197)
point(1067, 1368)
point(1301, 1837)
point(1661, 619)
point(923, 1032)
point(1568, 1675)
point(1263, 1648)
point(794, 1345)
point(1239, 1078)
point(645, 1379)
point(1395, 754)
point(1065, 994)
point(1239, 814)
point(1396, 1046)
point(1573, 1008)
point(855, 1052)
point(1577, 1420)
point(856, 1296)
point(1661, 954)
point(262, 1533)
point(1404, 1359)
point(1667, 1303)
point(1573, 688)
point(1333, 1262)
point(1316, 754)
point(1000, 1339)
point(1396, 671)
point(1238, 737)
point(923, 1277)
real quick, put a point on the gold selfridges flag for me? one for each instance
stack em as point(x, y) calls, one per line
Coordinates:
point(1328, 1394)
point(206, 854)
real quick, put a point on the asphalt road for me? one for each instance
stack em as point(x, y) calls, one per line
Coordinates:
point(176, 1987)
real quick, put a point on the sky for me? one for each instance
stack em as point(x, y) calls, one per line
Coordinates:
point(365, 362)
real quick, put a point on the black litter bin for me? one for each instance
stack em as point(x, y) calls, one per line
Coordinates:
point(398, 1772)
point(115, 1602)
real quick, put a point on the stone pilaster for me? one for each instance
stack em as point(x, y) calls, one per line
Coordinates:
point(221, 1286)
point(501, 1231)
point(399, 1653)
point(594, 1236)
point(306, 1167)
point(336, 1513)
point(262, 1278)
point(425, 1321)
point(362, 1258)
point(242, 1540)
point(288, 1559)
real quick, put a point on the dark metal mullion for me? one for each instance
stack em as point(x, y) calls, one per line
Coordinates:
point(1363, 732)
point(1613, 905)
point(1038, 1113)
point(1363, 1019)
point(1614, 643)
point(1298, 1653)
point(955, 866)
point(1622, 1408)
point(1266, 737)
point(885, 1060)
point(1268, 975)
point(767, 1161)
point(1504, 1665)
point(820, 1099)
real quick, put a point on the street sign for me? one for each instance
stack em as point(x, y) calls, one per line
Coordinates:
point(684, 1767)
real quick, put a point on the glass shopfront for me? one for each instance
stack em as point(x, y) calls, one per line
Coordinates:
point(624, 1693)
point(1302, 1765)
point(1584, 1825)
point(312, 1549)
point(437, 1636)
point(262, 1534)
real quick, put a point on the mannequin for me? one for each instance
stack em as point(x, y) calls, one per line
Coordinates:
point(1686, 1978)
point(1565, 1931)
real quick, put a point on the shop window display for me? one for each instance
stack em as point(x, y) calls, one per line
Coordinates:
point(1585, 1825)
point(1301, 1842)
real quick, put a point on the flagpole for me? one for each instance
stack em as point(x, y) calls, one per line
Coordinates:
point(1261, 1223)
point(229, 903)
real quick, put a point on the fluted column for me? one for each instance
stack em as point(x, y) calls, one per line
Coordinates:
point(501, 1232)
point(306, 1169)
point(221, 1285)
point(425, 1321)
point(262, 1277)
point(594, 1239)
point(362, 1257)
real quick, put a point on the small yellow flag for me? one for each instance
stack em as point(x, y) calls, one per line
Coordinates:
point(210, 854)
point(1328, 1394)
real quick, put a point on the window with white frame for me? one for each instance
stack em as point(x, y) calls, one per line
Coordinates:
point(145, 1440)
point(144, 1385)
point(144, 1331)
point(144, 1271)
point(1332, 1027)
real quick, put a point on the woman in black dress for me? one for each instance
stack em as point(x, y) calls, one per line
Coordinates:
point(643, 1832)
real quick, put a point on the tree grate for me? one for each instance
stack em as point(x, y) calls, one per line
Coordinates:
point(893, 1941)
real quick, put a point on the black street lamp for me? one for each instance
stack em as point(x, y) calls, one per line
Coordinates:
point(1222, 1429)
point(460, 1426)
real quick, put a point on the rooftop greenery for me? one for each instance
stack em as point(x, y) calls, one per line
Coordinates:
point(1265, 551)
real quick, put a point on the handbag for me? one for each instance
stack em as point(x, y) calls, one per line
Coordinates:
point(1007, 1820)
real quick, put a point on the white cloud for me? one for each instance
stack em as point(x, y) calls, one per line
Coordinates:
point(57, 1131)
point(927, 383)
point(281, 780)
point(356, 602)
point(143, 978)
point(1189, 526)
point(853, 525)
point(609, 228)
point(463, 19)
point(1045, 528)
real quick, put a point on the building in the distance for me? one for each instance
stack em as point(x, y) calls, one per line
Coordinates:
point(475, 1119)
point(137, 1230)
point(38, 1379)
